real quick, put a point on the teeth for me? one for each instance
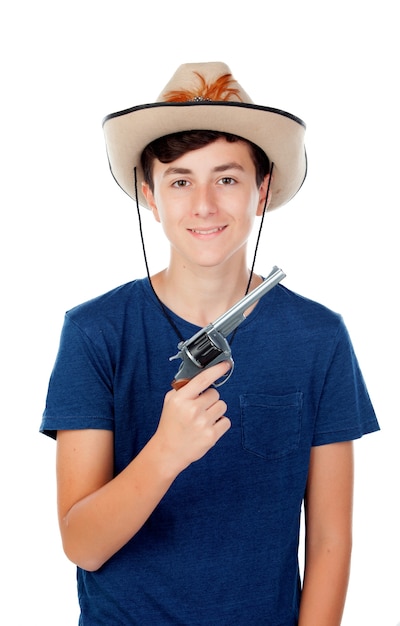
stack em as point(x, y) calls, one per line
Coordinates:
point(206, 232)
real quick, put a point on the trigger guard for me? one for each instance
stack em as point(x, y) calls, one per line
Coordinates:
point(227, 376)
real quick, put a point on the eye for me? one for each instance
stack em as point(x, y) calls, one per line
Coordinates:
point(180, 183)
point(226, 180)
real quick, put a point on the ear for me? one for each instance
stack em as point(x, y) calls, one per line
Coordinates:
point(148, 194)
point(263, 194)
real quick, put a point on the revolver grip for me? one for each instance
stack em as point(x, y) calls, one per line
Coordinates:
point(177, 384)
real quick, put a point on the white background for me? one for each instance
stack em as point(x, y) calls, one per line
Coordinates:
point(68, 233)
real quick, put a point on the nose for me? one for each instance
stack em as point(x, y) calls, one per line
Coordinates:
point(204, 203)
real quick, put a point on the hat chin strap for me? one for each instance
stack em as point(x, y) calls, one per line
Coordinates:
point(257, 241)
point(261, 225)
point(163, 308)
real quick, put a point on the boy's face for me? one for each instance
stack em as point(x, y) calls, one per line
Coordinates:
point(206, 201)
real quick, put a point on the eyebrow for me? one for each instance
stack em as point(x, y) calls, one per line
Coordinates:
point(233, 165)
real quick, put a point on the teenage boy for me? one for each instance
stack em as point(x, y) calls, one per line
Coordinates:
point(182, 506)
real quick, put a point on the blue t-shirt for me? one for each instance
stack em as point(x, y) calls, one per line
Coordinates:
point(222, 545)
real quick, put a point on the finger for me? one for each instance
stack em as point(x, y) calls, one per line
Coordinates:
point(221, 426)
point(216, 411)
point(206, 378)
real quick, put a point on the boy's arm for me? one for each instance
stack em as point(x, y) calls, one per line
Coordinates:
point(99, 513)
point(328, 514)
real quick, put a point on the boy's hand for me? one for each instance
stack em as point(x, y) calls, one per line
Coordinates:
point(193, 418)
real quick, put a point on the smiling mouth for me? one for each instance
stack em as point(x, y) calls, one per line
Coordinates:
point(210, 231)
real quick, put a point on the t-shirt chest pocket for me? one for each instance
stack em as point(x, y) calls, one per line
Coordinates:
point(271, 425)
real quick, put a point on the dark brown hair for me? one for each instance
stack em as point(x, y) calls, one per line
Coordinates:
point(170, 147)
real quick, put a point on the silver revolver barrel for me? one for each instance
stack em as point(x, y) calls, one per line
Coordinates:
point(209, 345)
point(228, 321)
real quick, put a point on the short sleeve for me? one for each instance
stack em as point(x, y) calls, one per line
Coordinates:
point(80, 392)
point(345, 411)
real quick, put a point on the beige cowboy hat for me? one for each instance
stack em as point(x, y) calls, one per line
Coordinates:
point(205, 96)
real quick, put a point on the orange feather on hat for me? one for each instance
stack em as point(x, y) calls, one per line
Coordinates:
point(216, 91)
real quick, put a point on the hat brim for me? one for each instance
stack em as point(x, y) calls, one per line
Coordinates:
point(279, 134)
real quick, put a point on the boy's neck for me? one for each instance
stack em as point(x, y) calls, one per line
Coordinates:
point(202, 297)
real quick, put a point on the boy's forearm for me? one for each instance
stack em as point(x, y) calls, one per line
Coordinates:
point(99, 525)
point(325, 585)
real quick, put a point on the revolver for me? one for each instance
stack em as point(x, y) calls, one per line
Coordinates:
point(209, 345)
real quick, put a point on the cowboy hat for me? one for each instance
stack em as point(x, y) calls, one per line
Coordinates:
point(205, 96)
